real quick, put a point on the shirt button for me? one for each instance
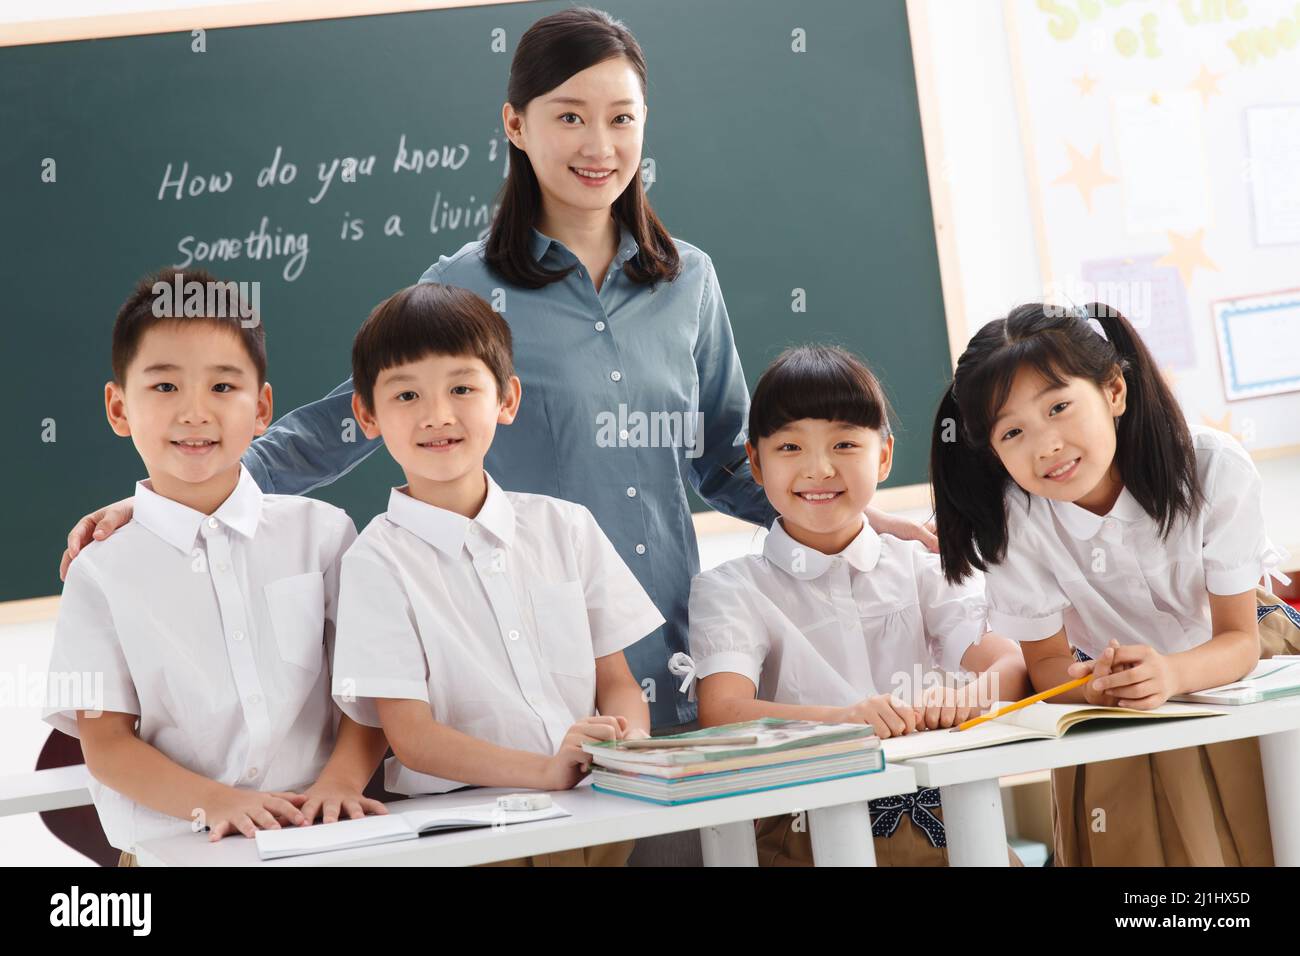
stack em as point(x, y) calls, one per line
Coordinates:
point(254, 698)
point(223, 566)
point(640, 549)
point(600, 326)
point(514, 635)
point(212, 522)
point(238, 635)
point(622, 436)
point(616, 375)
point(631, 492)
point(252, 772)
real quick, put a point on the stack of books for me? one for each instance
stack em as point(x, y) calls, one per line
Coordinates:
point(733, 759)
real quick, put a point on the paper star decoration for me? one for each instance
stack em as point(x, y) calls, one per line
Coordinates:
point(1085, 83)
point(1207, 84)
point(1223, 424)
point(1186, 255)
point(1086, 174)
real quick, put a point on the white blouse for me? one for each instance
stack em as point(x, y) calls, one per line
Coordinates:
point(830, 630)
point(1114, 577)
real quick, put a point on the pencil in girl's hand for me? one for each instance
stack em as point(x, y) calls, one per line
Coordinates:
point(1020, 704)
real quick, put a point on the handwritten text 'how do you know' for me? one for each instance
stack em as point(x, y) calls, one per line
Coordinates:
point(266, 243)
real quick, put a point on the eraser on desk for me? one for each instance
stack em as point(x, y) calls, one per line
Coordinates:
point(524, 801)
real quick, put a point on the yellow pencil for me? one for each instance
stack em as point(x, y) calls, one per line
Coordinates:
point(1050, 692)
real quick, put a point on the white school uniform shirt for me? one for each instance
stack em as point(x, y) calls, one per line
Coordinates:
point(830, 630)
point(1112, 576)
point(214, 630)
point(496, 621)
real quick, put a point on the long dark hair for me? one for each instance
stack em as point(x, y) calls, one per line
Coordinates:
point(550, 51)
point(1153, 449)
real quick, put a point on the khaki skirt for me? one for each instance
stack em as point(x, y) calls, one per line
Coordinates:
point(1201, 806)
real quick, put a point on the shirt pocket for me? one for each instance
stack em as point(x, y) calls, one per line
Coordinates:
point(560, 611)
point(297, 606)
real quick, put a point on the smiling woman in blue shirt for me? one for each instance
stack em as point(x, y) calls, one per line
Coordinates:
point(631, 381)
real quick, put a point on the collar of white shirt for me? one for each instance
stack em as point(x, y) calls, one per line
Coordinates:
point(805, 563)
point(1083, 524)
point(178, 524)
point(446, 530)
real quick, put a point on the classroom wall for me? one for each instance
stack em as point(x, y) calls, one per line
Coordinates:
point(988, 190)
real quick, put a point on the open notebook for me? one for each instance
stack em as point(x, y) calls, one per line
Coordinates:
point(390, 828)
point(1041, 721)
point(1273, 678)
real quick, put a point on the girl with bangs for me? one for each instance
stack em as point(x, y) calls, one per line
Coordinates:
point(834, 621)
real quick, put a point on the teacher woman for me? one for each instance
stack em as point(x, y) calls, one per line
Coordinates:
point(615, 323)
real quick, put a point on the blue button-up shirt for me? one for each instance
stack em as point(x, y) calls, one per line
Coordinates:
point(628, 393)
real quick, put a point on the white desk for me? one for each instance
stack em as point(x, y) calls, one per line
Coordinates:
point(837, 810)
point(972, 800)
point(41, 790)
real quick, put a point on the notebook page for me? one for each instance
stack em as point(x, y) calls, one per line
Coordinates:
point(333, 836)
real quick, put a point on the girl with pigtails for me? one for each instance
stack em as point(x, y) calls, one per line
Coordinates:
point(1118, 542)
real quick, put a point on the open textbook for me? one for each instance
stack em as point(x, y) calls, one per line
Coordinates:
point(390, 828)
point(1041, 721)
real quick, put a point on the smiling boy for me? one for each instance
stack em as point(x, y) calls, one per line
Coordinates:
point(205, 622)
point(484, 629)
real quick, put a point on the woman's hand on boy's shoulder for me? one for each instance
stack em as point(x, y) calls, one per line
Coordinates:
point(96, 526)
point(882, 522)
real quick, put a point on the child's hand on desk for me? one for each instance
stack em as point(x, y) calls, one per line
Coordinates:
point(887, 715)
point(233, 810)
point(1140, 677)
point(570, 762)
point(942, 706)
point(328, 796)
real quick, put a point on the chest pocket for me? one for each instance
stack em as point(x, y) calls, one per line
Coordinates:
point(560, 611)
point(297, 606)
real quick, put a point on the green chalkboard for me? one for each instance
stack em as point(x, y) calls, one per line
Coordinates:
point(793, 170)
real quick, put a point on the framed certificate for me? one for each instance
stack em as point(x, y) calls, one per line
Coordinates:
point(1259, 343)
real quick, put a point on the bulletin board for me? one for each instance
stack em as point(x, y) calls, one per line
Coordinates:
point(1162, 146)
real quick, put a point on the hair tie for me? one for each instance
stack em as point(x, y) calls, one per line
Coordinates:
point(1082, 313)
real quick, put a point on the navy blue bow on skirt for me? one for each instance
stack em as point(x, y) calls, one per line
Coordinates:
point(887, 813)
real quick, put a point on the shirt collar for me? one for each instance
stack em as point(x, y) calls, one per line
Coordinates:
point(1083, 524)
point(178, 524)
point(627, 245)
point(805, 563)
point(447, 530)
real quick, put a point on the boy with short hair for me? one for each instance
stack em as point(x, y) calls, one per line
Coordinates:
point(484, 629)
point(190, 654)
